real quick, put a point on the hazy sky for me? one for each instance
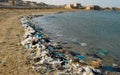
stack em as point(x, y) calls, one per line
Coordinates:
point(110, 3)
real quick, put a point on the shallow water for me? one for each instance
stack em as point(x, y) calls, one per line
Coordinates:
point(99, 29)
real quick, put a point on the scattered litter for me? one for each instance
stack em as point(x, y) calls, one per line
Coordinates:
point(47, 55)
point(114, 65)
point(83, 44)
point(81, 57)
point(111, 69)
point(103, 52)
point(3, 63)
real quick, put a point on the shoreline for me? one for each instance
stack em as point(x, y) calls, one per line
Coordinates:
point(12, 54)
point(112, 58)
point(10, 57)
point(78, 54)
point(43, 51)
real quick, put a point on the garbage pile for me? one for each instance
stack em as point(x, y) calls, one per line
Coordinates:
point(48, 56)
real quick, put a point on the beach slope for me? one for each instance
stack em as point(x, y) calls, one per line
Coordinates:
point(12, 54)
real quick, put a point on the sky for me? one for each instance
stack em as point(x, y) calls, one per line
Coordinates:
point(104, 3)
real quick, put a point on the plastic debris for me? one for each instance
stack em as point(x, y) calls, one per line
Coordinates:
point(27, 46)
point(111, 69)
point(96, 63)
point(83, 44)
point(3, 63)
point(103, 52)
point(47, 56)
point(81, 57)
point(114, 65)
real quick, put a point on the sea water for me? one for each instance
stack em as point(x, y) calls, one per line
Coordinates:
point(99, 29)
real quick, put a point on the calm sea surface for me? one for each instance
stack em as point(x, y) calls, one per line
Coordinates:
point(99, 29)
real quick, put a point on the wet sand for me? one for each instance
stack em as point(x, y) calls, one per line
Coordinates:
point(12, 54)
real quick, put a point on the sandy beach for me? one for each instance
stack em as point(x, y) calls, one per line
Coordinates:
point(12, 54)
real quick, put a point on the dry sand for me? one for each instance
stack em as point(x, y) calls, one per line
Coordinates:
point(12, 54)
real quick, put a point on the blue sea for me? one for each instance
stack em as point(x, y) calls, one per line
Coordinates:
point(98, 29)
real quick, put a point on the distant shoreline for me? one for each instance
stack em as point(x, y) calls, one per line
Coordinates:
point(73, 9)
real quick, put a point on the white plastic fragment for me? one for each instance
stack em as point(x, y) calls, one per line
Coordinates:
point(83, 44)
